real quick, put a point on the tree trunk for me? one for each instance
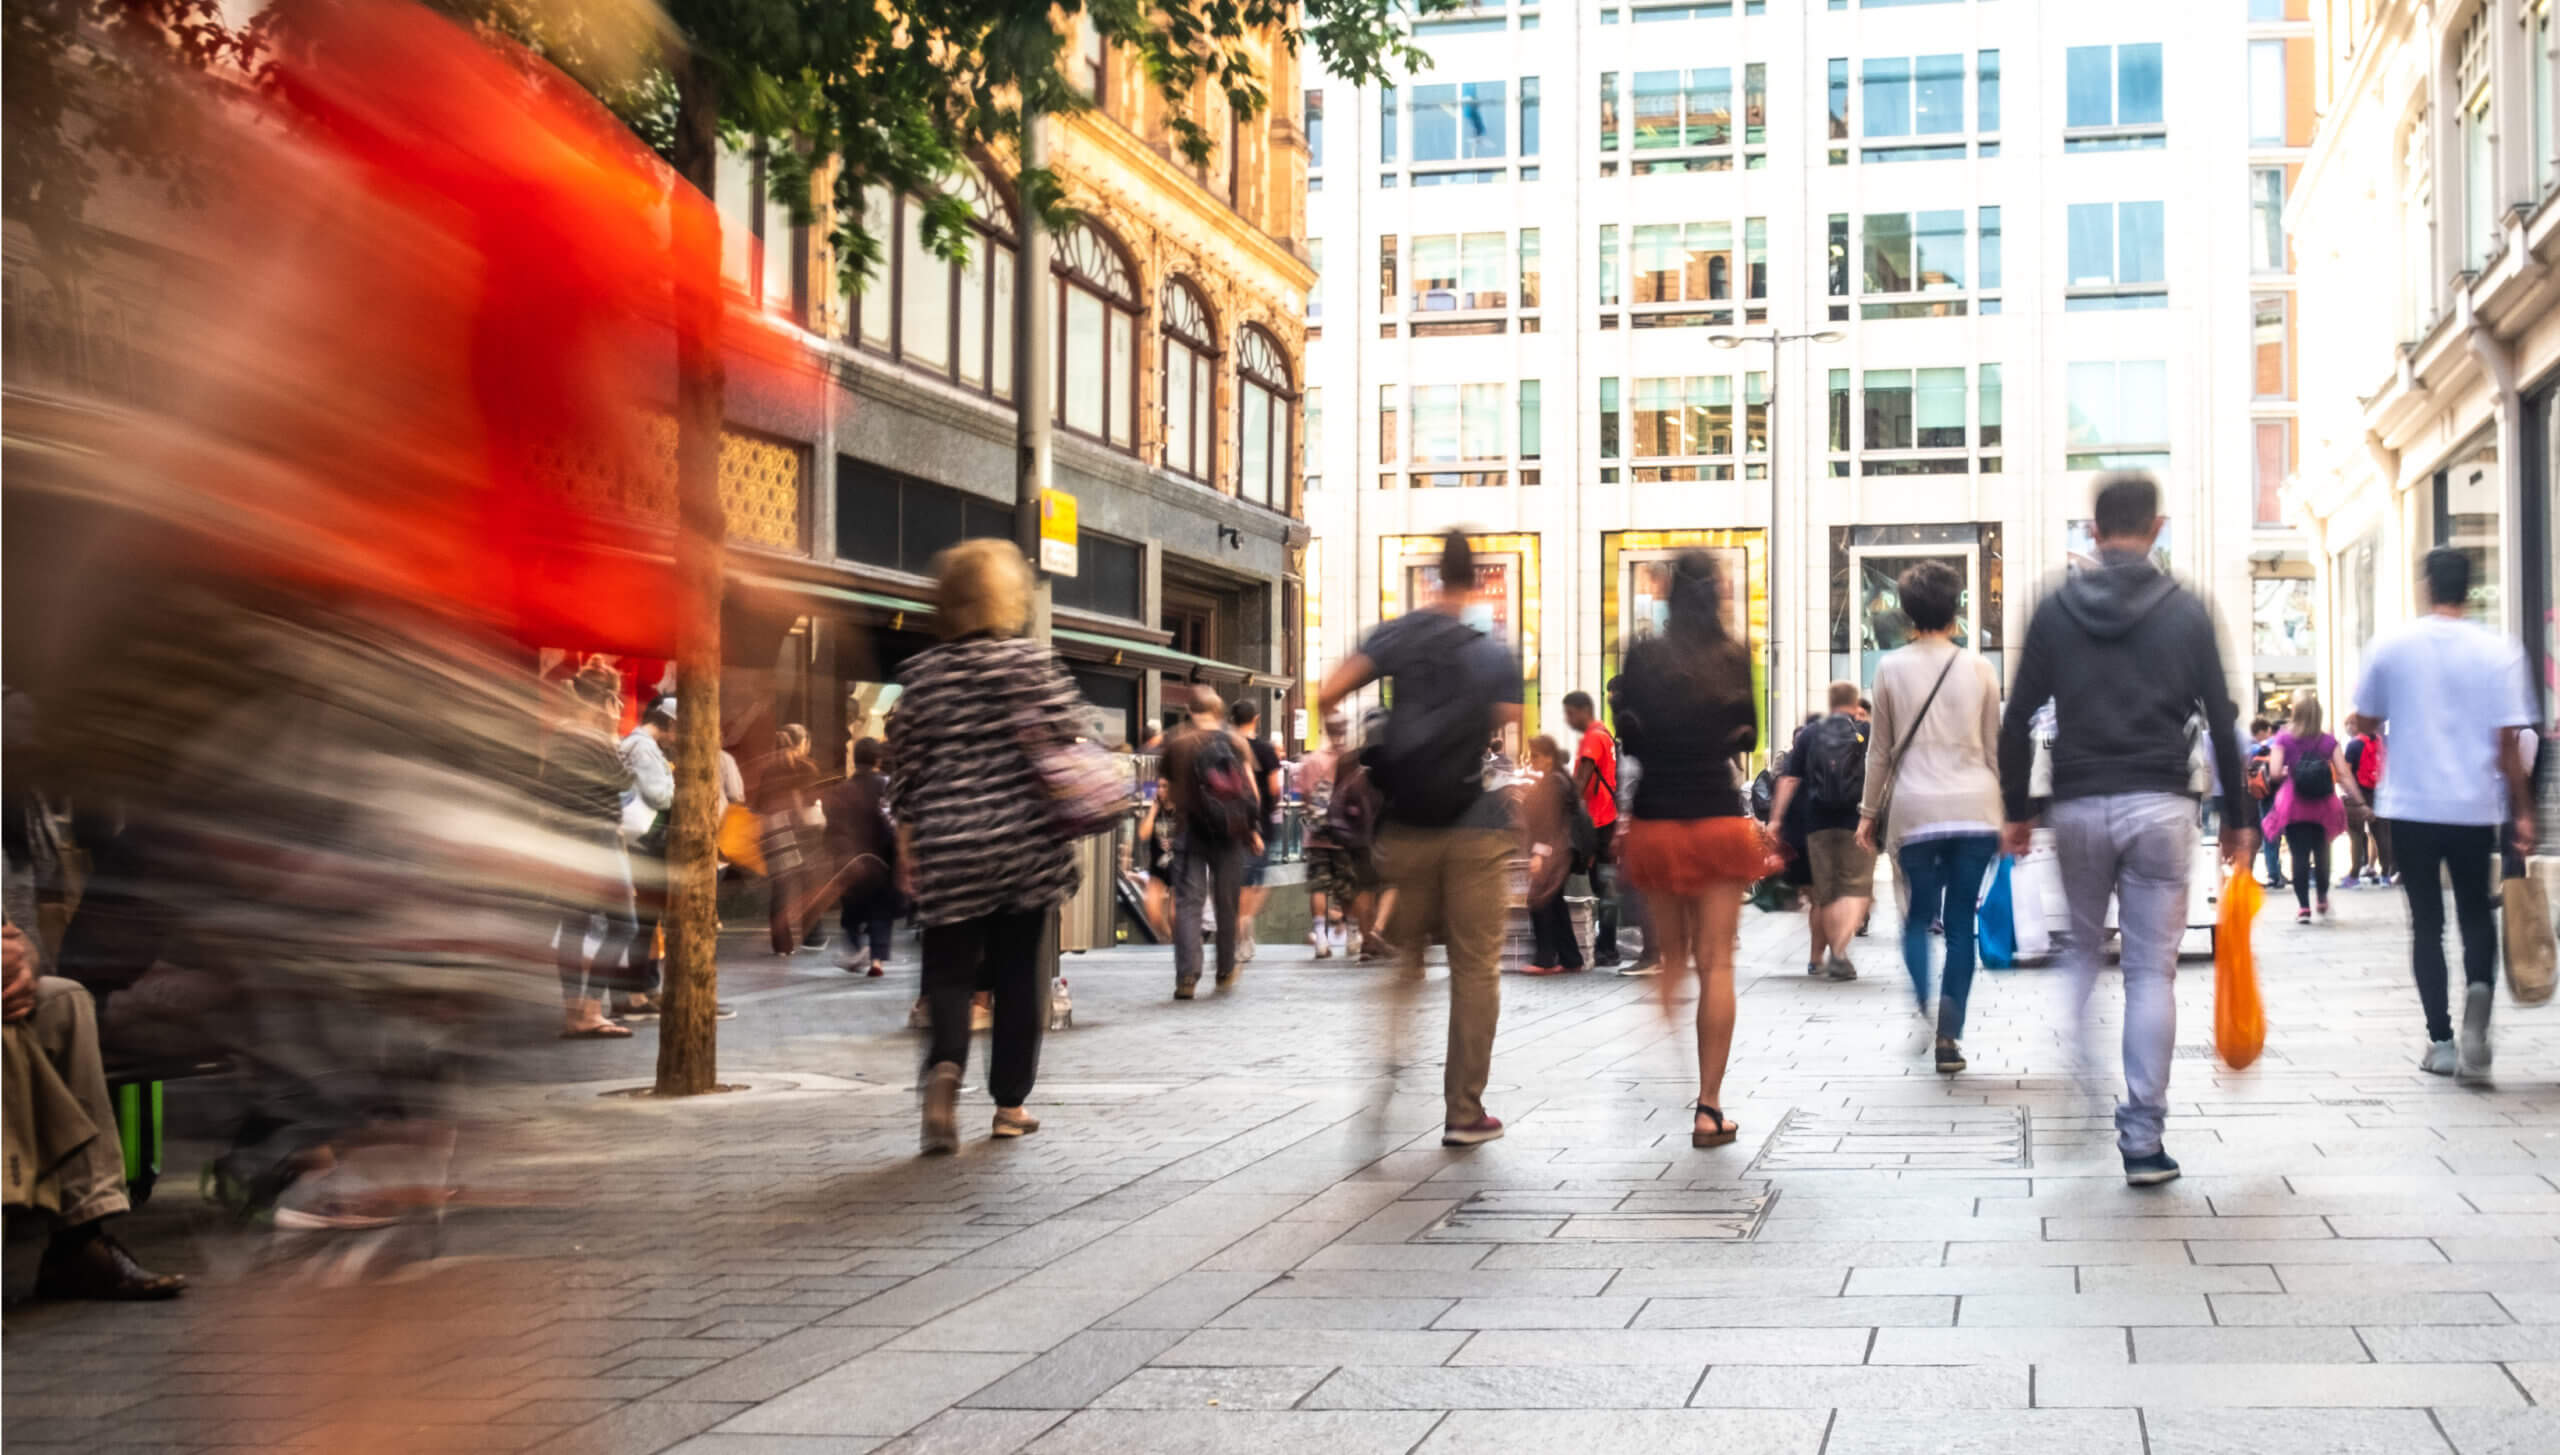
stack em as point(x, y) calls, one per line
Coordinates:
point(688, 1036)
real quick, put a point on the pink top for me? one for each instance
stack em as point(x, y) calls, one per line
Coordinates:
point(2330, 812)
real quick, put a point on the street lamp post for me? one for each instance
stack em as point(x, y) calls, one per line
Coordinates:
point(1769, 729)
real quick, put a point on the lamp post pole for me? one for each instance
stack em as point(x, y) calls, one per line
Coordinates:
point(1769, 552)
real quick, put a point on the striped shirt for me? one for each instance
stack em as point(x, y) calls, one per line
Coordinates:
point(965, 790)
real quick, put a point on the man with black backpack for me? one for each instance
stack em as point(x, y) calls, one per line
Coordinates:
point(1208, 776)
point(1445, 844)
point(1827, 770)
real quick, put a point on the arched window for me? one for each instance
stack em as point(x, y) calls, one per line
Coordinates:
point(1190, 388)
point(952, 320)
point(1097, 338)
point(1264, 395)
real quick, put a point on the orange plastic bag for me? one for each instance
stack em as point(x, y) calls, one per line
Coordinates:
point(2239, 1019)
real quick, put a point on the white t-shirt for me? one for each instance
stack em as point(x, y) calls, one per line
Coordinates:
point(2445, 689)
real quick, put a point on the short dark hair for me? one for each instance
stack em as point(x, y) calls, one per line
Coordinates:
point(1930, 591)
point(1457, 562)
point(2261, 725)
point(1243, 713)
point(1578, 698)
point(866, 752)
point(2448, 574)
point(2126, 505)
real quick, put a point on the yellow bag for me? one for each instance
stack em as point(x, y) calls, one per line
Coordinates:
point(2239, 1019)
point(2530, 951)
point(742, 839)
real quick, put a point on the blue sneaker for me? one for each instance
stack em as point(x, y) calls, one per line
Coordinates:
point(2150, 1171)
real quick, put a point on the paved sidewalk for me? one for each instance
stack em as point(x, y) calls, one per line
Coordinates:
point(1236, 1232)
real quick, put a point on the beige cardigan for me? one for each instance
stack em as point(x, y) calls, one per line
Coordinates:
point(1951, 773)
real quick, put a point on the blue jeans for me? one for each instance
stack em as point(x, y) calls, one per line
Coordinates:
point(1945, 875)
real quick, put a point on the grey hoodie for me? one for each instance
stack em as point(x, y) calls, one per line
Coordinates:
point(2126, 655)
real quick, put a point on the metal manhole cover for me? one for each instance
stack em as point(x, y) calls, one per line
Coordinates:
point(1897, 1137)
point(1653, 1215)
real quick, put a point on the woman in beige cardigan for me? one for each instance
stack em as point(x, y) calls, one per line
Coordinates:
point(1933, 788)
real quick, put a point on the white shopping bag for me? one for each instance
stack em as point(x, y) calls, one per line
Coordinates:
point(2035, 900)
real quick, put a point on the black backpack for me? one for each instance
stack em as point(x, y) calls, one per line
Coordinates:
point(1224, 805)
point(1835, 773)
point(1430, 764)
point(1351, 814)
point(2314, 781)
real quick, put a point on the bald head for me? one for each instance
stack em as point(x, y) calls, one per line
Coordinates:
point(1205, 702)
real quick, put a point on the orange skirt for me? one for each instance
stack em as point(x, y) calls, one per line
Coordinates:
point(1685, 856)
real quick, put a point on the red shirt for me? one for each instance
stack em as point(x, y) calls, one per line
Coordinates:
point(1600, 796)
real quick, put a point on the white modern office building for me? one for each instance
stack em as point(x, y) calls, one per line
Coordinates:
point(2003, 245)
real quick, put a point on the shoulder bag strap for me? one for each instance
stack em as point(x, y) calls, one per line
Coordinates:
point(1893, 768)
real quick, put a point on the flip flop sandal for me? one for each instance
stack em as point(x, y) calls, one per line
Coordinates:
point(605, 1032)
point(1716, 1138)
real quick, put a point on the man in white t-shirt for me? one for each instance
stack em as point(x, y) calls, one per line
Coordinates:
point(2455, 704)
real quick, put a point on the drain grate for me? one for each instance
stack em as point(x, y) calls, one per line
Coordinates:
point(1657, 1215)
point(1948, 1137)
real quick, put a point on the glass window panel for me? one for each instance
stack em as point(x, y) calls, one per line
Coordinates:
point(1435, 423)
point(1708, 268)
point(1177, 409)
point(1608, 111)
point(1528, 116)
point(1484, 259)
point(734, 181)
point(1711, 107)
point(1885, 94)
point(2266, 93)
point(1887, 395)
point(1839, 411)
point(1755, 414)
point(1082, 396)
point(1987, 403)
point(2271, 469)
point(1528, 267)
point(2268, 316)
point(1888, 253)
point(1254, 481)
point(1986, 93)
point(2089, 81)
point(1711, 411)
point(1609, 265)
point(2093, 242)
point(1838, 258)
point(1435, 271)
point(778, 244)
point(1480, 421)
point(1483, 116)
point(1315, 130)
point(1755, 104)
point(2138, 85)
point(924, 297)
point(1532, 420)
point(1000, 367)
point(1656, 263)
point(1939, 247)
point(1839, 100)
point(973, 313)
point(1755, 256)
point(1387, 424)
point(1609, 419)
point(1988, 223)
point(1937, 409)
point(1386, 123)
point(1204, 412)
point(1123, 383)
point(1432, 117)
point(2092, 416)
point(2266, 219)
point(2266, 9)
point(1659, 426)
point(2145, 387)
point(879, 218)
point(1657, 109)
point(1937, 95)
point(2142, 242)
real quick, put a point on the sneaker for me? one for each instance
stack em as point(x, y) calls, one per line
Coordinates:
point(1813, 968)
point(1186, 989)
point(1639, 969)
point(1607, 962)
point(1244, 949)
point(1950, 1057)
point(2474, 1042)
point(2150, 1171)
point(1841, 969)
point(2440, 1060)
point(1015, 1123)
point(2323, 907)
point(2302, 916)
point(1324, 946)
point(1482, 1129)
point(941, 1110)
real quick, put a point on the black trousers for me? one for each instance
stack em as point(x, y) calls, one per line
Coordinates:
point(1604, 889)
point(2428, 853)
point(870, 915)
point(1002, 951)
point(1551, 935)
point(2309, 843)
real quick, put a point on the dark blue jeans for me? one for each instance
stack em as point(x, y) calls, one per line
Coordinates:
point(1945, 876)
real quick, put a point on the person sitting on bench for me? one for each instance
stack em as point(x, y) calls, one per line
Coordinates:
point(63, 1153)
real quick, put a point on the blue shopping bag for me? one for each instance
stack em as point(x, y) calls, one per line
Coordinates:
point(1995, 927)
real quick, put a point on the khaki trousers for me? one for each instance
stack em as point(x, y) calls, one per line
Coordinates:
point(1449, 882)
point(63, 1152)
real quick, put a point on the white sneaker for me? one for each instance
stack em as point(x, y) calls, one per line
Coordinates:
point(1244, 949)
point(1323, 943)
point(2474, 1036)
point(2440, 1060)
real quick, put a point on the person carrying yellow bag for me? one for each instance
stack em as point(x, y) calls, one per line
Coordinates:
point(2239, 1017)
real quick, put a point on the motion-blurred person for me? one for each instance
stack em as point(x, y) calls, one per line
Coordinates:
point(1549, 808)
point(1826, 768)
point(648, 808)
point(986, 868)
point(1631, 910)
point(1445, 844)
point(2309, 811)
point(1333, 887)
point(1933, 790)
point(787, 800)
point(2368, 837)
point(1688, 713)
point(64, 1155)
point(2456, 705)
point(863, 845)
point(2127, 656)
point(584, 780)
point(1595, 777)
point(1215, 804)
point(1266, 783)
point(2262, 792)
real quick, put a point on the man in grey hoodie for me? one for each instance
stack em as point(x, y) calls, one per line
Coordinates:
point(2129, 659)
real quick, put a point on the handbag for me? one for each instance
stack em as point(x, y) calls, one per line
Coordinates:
point(2530, 951)
point(1893, 768)
point(1995, 920)
point(1084, 790)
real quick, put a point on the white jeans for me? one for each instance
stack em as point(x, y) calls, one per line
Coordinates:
point(2138, 848)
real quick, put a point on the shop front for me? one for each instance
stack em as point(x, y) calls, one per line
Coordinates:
point(1635, 592)
point(1506, 602)
point(1867, 562)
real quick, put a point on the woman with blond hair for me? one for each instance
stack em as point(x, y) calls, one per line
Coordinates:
point(975, 844)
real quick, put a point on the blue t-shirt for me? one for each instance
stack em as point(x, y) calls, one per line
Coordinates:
point(2445, 690)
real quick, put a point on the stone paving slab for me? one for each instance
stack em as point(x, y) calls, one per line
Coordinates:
point(1237, 1232)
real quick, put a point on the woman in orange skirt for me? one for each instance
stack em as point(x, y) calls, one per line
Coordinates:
point(1686, 713)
